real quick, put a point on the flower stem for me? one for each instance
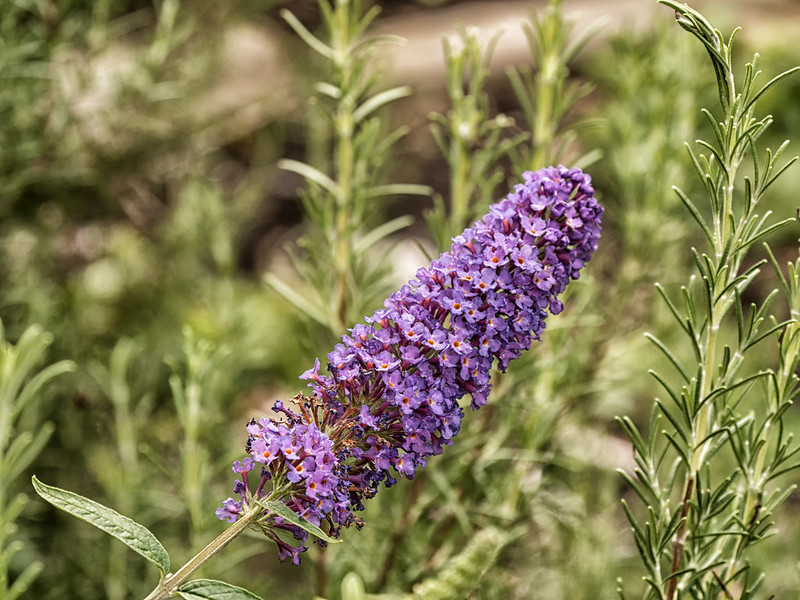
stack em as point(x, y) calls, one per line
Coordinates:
point(169, 586)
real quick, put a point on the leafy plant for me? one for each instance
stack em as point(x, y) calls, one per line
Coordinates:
point(471, 139)
point(545, 93)
point(707, 462)
point(341, 278)
point(23, 436)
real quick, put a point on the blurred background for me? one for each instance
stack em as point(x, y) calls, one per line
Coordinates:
point(147, 224)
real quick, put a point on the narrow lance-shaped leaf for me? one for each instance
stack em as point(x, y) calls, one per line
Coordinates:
point(210, 589)
point(774, 175)
point(669, 355)
point(313, 42)
point(37, 382)
point(280, 509)
point(381, 232)
point(328, 89)
point(769, 84)
point(310, 173)
point(299, 300)
point(23, 450)
point(378, 100)
point(398, 189)
point(137, 537)
point(23, 580)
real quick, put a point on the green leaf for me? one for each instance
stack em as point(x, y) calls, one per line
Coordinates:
point(36, 383)
point(23, 580)
point(769, 84)
point(310, 174)
point(670, 356)
point(375, 102)
point(137, 537)
point(9, 513)
point(328, 89)
point(209, 589)
point(398, 189)
point(299, 300)
point(280, 509)
point(23, 450)
point(381, 232)
point(313, 42)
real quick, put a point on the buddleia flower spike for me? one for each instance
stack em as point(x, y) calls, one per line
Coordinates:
point(389, 396)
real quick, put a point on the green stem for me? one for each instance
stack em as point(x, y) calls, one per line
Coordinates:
point(544, 128)
point(168, 587)
point(459, 184)
point(720, 306)
point(704, 422)
point(705, 415)
point(345, 161)
point(552, 71)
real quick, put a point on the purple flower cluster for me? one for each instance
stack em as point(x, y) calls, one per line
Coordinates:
point(390, 397)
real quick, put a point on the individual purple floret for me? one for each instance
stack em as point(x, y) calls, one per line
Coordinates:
point(389, 398)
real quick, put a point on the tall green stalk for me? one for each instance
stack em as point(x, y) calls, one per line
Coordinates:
point(545, 94)
point(196, 391)
point(123, 485)
point(472, 140)
point(342, 278)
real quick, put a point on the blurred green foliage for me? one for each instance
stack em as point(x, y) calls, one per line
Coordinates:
point(139, 214)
